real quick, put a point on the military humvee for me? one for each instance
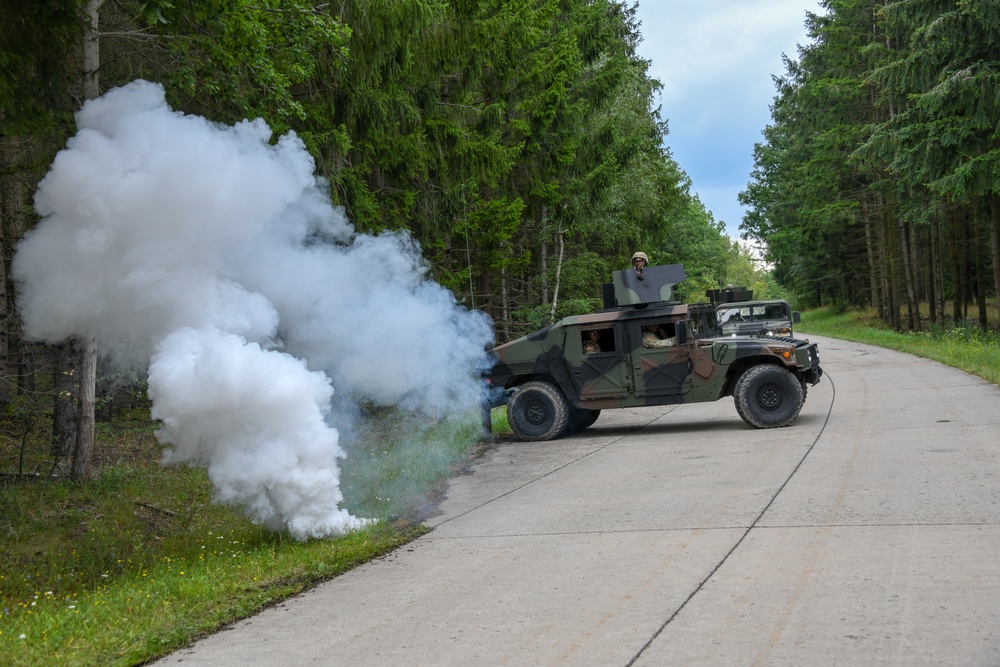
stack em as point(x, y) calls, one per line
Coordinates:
point(649, 350)
point(761, 318)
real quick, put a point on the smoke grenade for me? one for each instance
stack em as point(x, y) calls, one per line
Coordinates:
point(212, 258)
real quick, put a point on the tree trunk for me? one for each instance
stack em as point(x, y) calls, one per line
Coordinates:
point(936, 280)
point(544, 258)
point(957, 249)
point(873, 267)
point(504, 305)
point(964, 236)
point(555, 291)
point(488, 303)
point(995, 245)
point(913, 314)
point(929, 285)
point(92, 52)
point(979, 258)
point(12, 203)
point(65, 386)
point(918, 256)
point(84, 450)
point(890, 313)
point(83, 454)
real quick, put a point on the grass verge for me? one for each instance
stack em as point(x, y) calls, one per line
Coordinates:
point(138, 561)
point(140, 612)
point(966, 347)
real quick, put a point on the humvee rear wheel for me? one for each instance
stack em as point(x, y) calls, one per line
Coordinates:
point(538, 411)
point(768, 396)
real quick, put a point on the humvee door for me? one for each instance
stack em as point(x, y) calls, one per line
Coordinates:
point(600, 374)
point(659, 366)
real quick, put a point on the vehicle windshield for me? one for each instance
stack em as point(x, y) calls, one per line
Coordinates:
point(753, 312)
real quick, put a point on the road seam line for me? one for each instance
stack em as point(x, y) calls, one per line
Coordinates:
point(745, 533)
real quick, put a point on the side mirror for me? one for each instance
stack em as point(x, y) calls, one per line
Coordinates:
point(682, 333)
point(796, 317)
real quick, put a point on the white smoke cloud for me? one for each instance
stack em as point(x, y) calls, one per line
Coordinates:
point(214, 259)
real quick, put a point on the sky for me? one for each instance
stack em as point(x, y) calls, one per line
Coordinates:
point(716, 60)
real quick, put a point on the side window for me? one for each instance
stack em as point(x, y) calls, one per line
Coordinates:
point(730, 316)
point(776, 312)
point(597, 340)
point(659, 334)
point(707, 323)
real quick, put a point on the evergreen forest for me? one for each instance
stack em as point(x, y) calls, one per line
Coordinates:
point(878, 181)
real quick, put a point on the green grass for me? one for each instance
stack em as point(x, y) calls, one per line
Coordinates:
point(498, 418)
point(138, 561)
point(394, 462)
point(967, 347)
point(136, 611)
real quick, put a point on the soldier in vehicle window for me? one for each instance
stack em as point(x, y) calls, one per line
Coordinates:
point(654, 336)
point(592, 344)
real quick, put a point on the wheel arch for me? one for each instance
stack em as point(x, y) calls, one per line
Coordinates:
point(566, 387)
point(741, 366)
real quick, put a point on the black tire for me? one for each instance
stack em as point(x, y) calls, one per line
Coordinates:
point(581, 419)
point(768, 396)
point(538, 411)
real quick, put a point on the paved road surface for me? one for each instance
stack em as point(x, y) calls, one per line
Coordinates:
point(867, 533)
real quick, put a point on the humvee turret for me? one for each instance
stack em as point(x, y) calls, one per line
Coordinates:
point(645, 349)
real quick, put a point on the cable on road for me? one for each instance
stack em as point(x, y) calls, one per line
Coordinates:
point(746, 532)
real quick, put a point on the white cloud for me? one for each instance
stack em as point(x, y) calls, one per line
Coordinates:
point(716, 60)
point(726, 41)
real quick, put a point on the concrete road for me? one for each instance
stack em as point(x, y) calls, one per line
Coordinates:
point(867, 533)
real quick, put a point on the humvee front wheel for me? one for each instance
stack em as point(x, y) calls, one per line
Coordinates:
point(537, 411)
point(768, 396)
